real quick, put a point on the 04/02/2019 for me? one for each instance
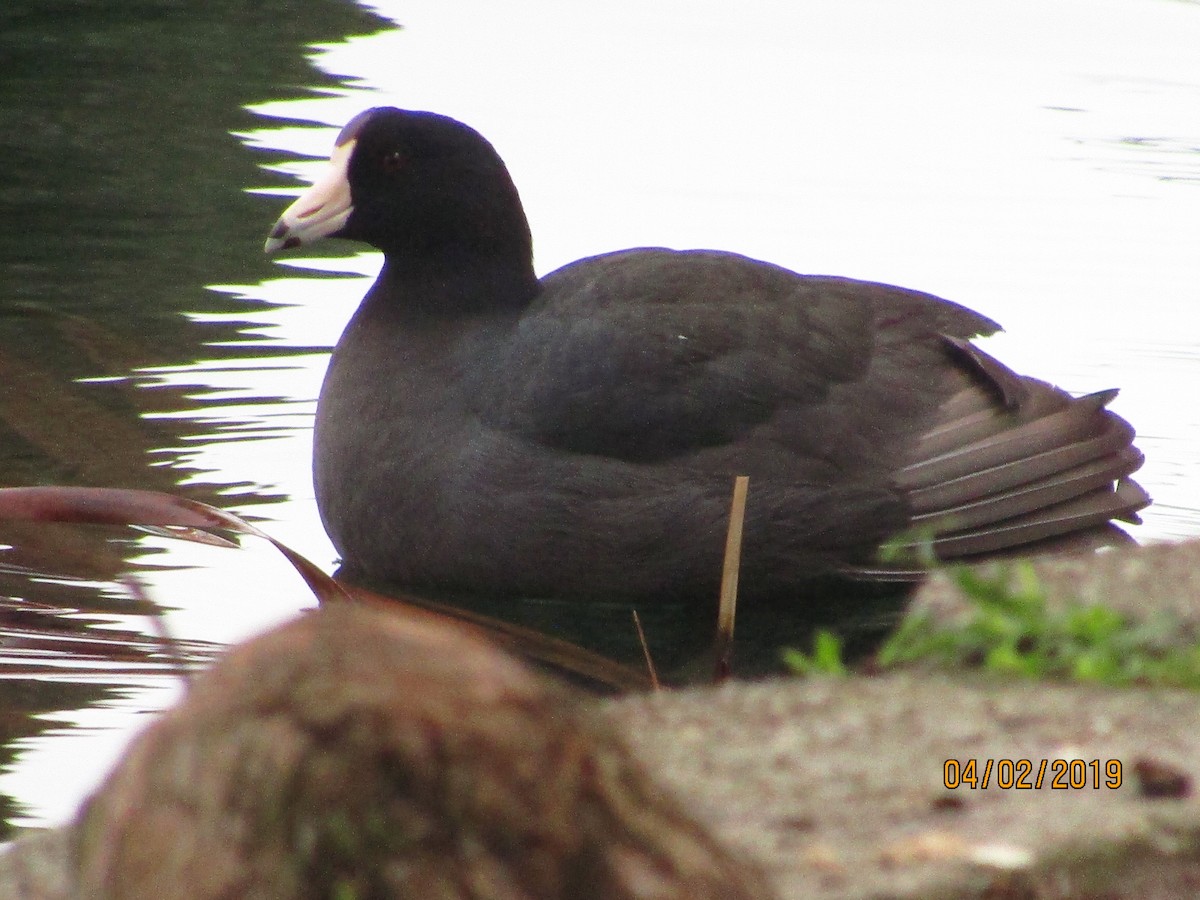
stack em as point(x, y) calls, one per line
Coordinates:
point(1028, 774)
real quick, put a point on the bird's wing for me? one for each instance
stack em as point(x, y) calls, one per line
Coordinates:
point(648, 355)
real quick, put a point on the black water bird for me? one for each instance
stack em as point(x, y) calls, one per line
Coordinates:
point(576, 436)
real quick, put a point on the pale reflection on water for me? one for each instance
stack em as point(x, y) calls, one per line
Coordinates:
point(1034, 161)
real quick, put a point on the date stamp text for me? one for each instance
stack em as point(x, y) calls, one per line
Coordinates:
point(1030, 774)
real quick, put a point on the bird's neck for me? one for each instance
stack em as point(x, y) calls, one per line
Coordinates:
point(446, 286)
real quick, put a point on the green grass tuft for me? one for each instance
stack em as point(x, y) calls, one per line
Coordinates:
point(826, 657)
point(1012, 629)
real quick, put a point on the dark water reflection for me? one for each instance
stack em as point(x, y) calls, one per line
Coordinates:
point(118, 211)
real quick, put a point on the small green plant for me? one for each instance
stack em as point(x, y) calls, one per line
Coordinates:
point(1012, 629)
point(825, 659)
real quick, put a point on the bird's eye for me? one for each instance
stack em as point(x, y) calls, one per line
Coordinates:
point(393, 161)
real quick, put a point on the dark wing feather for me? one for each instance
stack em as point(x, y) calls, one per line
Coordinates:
point(813, 384)
point(718, 346)
point(1027, 466)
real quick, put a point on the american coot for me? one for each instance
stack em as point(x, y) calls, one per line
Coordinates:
point(481, 430)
